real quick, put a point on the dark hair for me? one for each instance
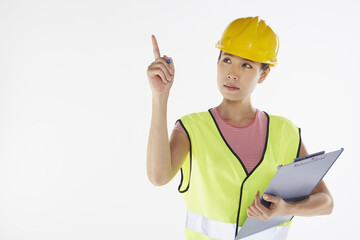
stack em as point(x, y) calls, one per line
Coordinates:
point(264, 66)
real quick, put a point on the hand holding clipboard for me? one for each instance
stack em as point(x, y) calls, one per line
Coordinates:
point(293, 182)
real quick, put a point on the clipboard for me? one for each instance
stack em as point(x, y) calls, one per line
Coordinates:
point(292, 182)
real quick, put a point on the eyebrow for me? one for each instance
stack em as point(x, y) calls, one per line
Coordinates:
point(231, 55)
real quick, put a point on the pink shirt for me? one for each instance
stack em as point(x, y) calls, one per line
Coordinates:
point(246, 142)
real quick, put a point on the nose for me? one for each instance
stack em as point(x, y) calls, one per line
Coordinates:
point(231, 76)
point(233, 73)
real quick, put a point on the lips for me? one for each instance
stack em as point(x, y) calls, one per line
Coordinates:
point(231, 87)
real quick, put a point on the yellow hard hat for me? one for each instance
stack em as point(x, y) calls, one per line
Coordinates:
point(250, 38)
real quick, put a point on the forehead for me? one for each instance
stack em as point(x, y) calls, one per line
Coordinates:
point(234, 56)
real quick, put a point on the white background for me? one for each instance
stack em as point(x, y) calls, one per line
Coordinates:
point(75, 108)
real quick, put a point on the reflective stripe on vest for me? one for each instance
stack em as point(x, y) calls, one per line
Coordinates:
point(210, 228)
point(214, 183)
point(225, 231)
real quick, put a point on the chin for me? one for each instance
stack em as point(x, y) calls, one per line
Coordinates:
point(231, 98)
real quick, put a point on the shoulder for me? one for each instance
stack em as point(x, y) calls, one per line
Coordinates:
point(281, 120)
point(198, 121)
point(196, 116)
point(283, 125)
point(287, 137)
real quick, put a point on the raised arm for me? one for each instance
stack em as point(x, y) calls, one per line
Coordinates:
point(164, 157)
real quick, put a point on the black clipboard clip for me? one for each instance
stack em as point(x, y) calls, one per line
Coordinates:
point(308, 156)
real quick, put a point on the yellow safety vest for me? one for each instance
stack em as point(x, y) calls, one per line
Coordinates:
point(216, 186)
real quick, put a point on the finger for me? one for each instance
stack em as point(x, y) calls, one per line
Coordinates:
point(163, 67)
point(161, 74)
point(250, 213)
point(155, 47)
point(271, 198)
point(258, 203)
point(166, 64)
point(170, 64)
point(256, 211)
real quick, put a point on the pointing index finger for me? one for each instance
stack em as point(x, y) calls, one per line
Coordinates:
point(155, 47)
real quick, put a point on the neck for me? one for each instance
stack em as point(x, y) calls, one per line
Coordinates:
point(236, 111)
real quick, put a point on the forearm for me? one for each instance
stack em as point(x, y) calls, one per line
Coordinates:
point(319, 203)
point(158, 152)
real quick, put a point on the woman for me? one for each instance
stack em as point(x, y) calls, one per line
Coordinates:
point(229, 154)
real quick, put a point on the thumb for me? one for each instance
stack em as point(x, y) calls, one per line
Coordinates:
point(271, 198)
point(170, 61)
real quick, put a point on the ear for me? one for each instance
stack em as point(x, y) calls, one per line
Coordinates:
point(264, 75)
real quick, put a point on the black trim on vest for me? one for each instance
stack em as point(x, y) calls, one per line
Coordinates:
point(222, 136)
point(298, 152)
point(181, 181)
point(242, 185)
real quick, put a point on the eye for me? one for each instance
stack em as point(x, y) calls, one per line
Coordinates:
point(227, 60)
point(247, 65)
